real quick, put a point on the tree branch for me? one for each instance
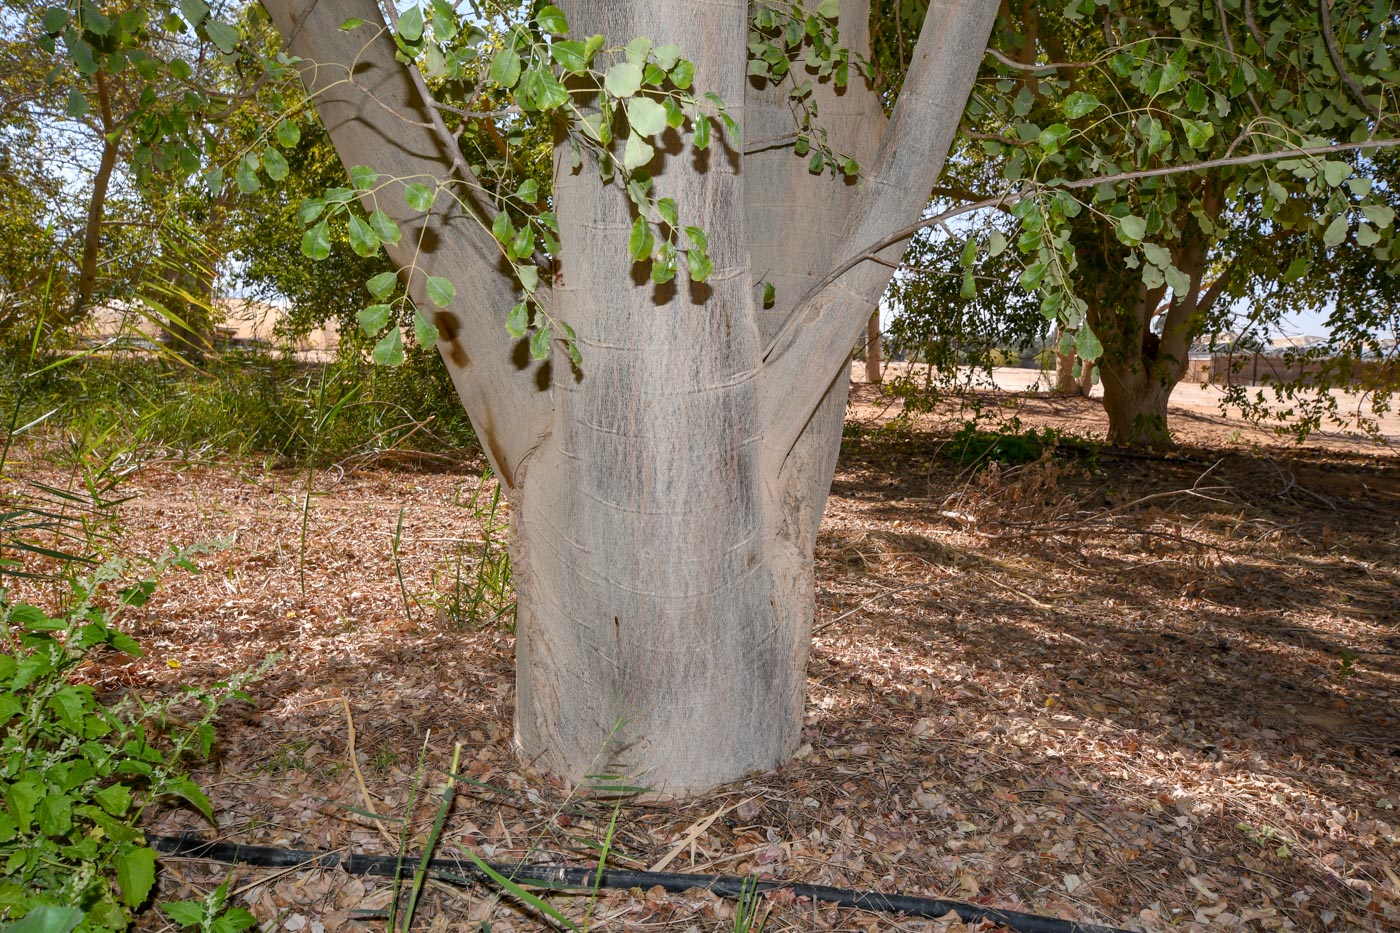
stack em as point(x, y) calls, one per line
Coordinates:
point(1011, 197)
point(1324, 8)
point(508, 410)
point(812, 345)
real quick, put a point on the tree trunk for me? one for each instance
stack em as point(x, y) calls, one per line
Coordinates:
point(1135, 400)
point(1065, 381)
point(666, 493)
point(97, 205)
point(873, 372)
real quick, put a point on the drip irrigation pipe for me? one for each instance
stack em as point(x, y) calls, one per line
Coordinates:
point(563, 876)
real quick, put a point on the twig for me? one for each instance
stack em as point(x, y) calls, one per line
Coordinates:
point(360, 777)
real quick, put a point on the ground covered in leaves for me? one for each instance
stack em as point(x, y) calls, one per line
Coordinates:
point(1147, 692)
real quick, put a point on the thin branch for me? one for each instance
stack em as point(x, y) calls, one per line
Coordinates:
point(771, 142)
point(1038, 66)
point(1011, 198)
point(1324, 7)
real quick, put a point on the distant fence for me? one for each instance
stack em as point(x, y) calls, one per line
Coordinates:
point(1258, 369)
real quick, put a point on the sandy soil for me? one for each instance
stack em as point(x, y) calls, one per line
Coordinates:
point(1195, 412)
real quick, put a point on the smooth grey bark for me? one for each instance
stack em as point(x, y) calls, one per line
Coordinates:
point(667, 493)
point(375, 116)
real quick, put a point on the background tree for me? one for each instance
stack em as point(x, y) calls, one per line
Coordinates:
point(961, 321)
point(1094, 90)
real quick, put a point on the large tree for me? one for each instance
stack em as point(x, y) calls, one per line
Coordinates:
point(1083, 120)
point(668, 462)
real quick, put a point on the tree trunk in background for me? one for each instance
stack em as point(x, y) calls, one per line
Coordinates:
point(666, 493)
point(1065, 381)
point(1136, 403)
point(874, 373)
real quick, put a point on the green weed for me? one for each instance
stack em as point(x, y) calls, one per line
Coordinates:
point(76, 771)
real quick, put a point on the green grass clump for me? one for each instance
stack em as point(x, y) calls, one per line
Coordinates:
point(237, 405)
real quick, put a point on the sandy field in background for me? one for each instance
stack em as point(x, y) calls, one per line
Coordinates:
point(1195, 411)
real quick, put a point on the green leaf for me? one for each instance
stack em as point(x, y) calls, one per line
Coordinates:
point(539, 343)
point(1335, 173)
point(389, 350)
point(1032, 276)
point(1366, 235)
point(1381, 215)
point(381, 285)
point(541, 90)
point(700, 265)
point(55, 814)
point(246, 176)
point(996, 244)
point(274, 164)
point(829, 9)
point(411, 24)
point(770, 294)
point(363, 178)
point(316, 241)
point(362, 238)
point(353, 22)
point(502, 229)
point(528, 191)
point(640, 242)
point(553, 21)
point(373, 318)
point(505, 67)
point(136, 873)
point(185, 913)
point(288, 134)
point(222, 35)
point(666, 56)
point(1086, 344)
point(596, 126)
point(646, 116)
point(418, 196)
point(1198, 132)
point(571, 55)
point(529, 277)
point(518, 321)
point(666, 207)
point(524, 243)
point(55, 18)
point(1336, 231)
point(384, 227)
point(623, 79)
point(441, 291)
point(637, 153)
point(310, 209)
point(969, 285)
point(77, 104)
point(1174, 72)
point(1131, 229)
point(1359, 185)
point(1053, 136)
point(638, 49)
point(731, 126)
point(702, 132)
point(683, 75)
point(424, 330)
point(1179, 282)
point(1080, 103)
point(1296, 270)
point(115, 799)
point(47, 919)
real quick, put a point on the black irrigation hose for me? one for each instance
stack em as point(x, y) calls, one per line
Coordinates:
point(443, 869)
